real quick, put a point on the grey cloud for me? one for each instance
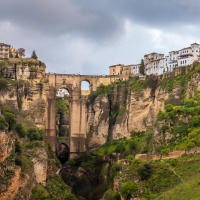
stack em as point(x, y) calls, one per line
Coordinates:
point(89, 35)
point(60, 18)
point(99, 19)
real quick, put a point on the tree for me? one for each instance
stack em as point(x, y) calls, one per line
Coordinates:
point(128, 190)
point(145, 171)
point(34, 55)
point(141, 69)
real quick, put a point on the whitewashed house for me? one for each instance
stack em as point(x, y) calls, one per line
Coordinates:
point(153, 63)
point(136, 69)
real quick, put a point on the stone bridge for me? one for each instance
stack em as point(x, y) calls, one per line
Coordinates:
point(77, 124)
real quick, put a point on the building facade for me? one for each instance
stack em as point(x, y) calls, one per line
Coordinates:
point(154, 63)
point(4, 51)
point(116, 69)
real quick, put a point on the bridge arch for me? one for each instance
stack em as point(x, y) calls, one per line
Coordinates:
point(85, 87)
point(78, 110)
point(66, 87)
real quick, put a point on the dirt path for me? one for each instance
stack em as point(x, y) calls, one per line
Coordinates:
point(13, 189)
point(172, 154)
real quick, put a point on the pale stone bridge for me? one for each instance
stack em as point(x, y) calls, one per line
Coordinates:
point(77, 124)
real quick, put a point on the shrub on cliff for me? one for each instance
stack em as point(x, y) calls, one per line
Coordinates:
point(145, 171)
point(20, 130)
point(10, 118)
point(111, 195)
point(128, 190)
point(3, 84)
point(3, 123)
point(34, 134)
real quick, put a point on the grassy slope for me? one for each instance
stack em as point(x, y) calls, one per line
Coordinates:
point(189, 190)
point(187, 167)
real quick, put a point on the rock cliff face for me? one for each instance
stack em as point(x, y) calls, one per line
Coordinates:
point(6, 143)
point(27, 88)
point(25, 92)
point(115, 114)
point(137, 111)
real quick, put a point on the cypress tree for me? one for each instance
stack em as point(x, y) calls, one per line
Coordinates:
point(34, 55)
point(141, 69)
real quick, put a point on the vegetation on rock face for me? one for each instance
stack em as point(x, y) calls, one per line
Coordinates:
point(179, 126)
point(55, 189)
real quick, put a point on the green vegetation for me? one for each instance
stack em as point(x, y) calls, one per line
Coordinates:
point(153, 178)
point(111, 195)
point(35, 134)
point(20, 129)
point(182, 79)
point(62, 105)
point(128, 190)
point(55, 189)
point(140, 142)
point(3, 123)
point(182, 122)
point(62, 110)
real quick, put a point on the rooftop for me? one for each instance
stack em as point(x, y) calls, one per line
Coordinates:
point(2, 44)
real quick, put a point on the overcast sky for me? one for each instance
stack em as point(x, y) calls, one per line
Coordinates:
point(88, 36)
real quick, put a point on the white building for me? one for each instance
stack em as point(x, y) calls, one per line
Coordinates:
point(136, 69)
point(183, 57)
point(154, 63)
point(158, 64)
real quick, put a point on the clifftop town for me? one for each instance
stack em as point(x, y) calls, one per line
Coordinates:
point(155, 63)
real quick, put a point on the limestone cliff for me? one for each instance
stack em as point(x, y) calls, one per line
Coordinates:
point(133, 105)
point(22, 163)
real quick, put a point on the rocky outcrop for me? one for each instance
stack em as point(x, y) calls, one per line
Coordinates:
point(6, 143)
point(138, 114)
point(26, 94)
point(40, 166)
point(98, 122)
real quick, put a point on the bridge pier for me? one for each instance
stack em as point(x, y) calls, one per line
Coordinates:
point(50, 131)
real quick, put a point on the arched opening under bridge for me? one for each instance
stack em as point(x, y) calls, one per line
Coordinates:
point(62, 152)
point(62, 114)
point(85, 87)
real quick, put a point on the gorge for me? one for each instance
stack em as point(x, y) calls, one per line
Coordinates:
point(95, 134)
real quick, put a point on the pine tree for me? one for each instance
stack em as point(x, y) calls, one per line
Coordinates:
point(141, 69)
point(34, 55)
point(17, 56)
